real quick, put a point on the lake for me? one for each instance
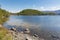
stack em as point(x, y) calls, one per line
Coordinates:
point(43, 26)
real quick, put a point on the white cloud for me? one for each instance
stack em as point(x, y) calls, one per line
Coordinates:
point(39, 8)
point(46, 8)
point(14, 11)
point(49, 9)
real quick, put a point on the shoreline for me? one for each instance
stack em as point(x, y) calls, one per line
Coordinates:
point(23, 35)
point(15, 35)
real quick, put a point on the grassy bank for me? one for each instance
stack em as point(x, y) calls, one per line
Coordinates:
point(3, 16)
point(4, 34)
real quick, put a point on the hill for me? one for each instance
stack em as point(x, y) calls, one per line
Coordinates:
point(34, 12)
point(57, 12)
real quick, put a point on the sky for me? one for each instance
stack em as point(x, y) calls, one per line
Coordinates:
point(19, 5)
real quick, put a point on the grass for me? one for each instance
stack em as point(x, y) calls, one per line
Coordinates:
point(4, 34)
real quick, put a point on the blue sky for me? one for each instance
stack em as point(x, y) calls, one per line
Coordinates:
point(18, 5)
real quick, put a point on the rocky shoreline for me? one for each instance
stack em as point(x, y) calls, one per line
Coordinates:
point(23, 35)
point(26, 34)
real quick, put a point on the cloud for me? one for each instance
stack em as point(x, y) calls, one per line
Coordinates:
point(50, 8)
point(42, 8)
point(38, 8)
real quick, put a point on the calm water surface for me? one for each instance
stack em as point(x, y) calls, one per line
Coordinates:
point(39, 24)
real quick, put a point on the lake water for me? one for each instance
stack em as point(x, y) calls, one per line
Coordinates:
point(40, 25)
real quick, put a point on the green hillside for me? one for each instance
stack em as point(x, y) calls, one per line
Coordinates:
point(3, 15)
point(34, 12)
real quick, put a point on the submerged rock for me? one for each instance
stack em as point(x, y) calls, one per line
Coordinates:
point(23, 36)
point(13, 29)
point(54, 36)
point(26, 30)
point(35, 35)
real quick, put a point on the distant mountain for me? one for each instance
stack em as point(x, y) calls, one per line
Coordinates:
point(57, 12)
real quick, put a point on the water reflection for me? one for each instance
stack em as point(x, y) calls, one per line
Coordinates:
point(46, 22)
point(41, 25)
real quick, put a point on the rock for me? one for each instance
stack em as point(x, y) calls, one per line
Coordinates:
point(54, 36)
point(1, 25)
point(35, 35)
point(22, 32)
point(22, 35)
point(29, 37)
point(26, 39)
point(27, 31)
point(13, 29)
